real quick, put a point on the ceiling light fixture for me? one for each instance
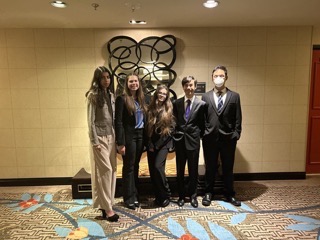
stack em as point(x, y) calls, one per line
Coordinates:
point(59, 4)
point(134, 7)
point(95, 5)
point(211, 4)
point(137, 22)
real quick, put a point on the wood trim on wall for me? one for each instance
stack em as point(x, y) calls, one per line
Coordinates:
point(15, 182)
point(68, 180)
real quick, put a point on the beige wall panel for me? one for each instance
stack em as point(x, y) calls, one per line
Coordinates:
point(44, 74)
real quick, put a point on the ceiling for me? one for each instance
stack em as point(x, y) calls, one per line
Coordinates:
point(158, 13)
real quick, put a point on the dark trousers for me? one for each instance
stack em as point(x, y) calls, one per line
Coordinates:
point(182, 157)
point(211, 151)
point(157, 165)
point(130, 169)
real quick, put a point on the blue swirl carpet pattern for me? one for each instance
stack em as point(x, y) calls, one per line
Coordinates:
point(270, 210)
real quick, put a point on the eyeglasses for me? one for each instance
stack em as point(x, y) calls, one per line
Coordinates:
point(161, 93)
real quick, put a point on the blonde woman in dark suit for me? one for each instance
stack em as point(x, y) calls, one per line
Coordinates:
point(100, 112)
point(129, 126)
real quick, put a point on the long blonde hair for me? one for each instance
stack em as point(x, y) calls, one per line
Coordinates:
point(160, 118)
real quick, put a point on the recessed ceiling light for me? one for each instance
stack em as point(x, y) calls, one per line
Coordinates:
point(59, 4)
point(137, 22)
point(211, 4)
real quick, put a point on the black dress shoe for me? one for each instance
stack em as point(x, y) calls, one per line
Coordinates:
point(194, 202)
point(131, 206)
point(113, 218)
point(233, 201)
point(136, 204)
point(180, 202)
point(165, 203)
point(206, 200)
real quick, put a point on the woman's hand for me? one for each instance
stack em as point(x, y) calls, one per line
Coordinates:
point(121, 149)
point(97, 147)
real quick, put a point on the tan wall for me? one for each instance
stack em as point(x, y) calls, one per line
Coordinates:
point(316, 35)
point(44, 74)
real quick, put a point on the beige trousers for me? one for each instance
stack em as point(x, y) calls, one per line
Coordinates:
point(104, 173)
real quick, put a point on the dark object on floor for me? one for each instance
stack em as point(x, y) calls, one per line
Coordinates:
point(81, 185)
point(234, 201)
point(136, 204)
point(206, 201)
point(180, 202)
point(113, 218)
point(131, 206)
point(165, 203)
point(194, 202)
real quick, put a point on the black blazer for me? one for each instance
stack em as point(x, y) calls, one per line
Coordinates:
point(193, 128)
point(124, 122)
point(157, 141)
point(227, 123)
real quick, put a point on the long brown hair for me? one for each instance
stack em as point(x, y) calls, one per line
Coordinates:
point(160, 118)
point(129, 101)
point(96, 93)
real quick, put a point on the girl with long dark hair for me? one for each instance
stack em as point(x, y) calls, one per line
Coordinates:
point(100, 112)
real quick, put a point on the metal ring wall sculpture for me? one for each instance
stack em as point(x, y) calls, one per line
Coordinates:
point(152, 59)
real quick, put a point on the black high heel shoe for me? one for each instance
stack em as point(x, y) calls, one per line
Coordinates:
point(113, 218)
point(103, 216)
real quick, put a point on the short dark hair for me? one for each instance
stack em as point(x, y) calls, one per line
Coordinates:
point(223, 68)
point(188, 79)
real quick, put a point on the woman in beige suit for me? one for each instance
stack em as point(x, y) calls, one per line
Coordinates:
point(100, 113)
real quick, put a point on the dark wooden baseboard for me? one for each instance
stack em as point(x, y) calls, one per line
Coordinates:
point(81, 182)
point(269, 176)
point(12, 182)
point(16, 182)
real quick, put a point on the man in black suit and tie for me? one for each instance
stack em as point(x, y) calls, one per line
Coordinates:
point(189, 112)
point(223, 129)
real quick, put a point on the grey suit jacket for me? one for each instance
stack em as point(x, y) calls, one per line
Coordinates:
point(227, 123)
point(99, 119)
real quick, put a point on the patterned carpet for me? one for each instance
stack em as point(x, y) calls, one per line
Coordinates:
point(270, 210)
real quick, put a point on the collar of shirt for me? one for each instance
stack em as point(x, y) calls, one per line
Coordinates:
point(185, 101)
point(223, 91)
point(223, 95)
point(191, 99)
